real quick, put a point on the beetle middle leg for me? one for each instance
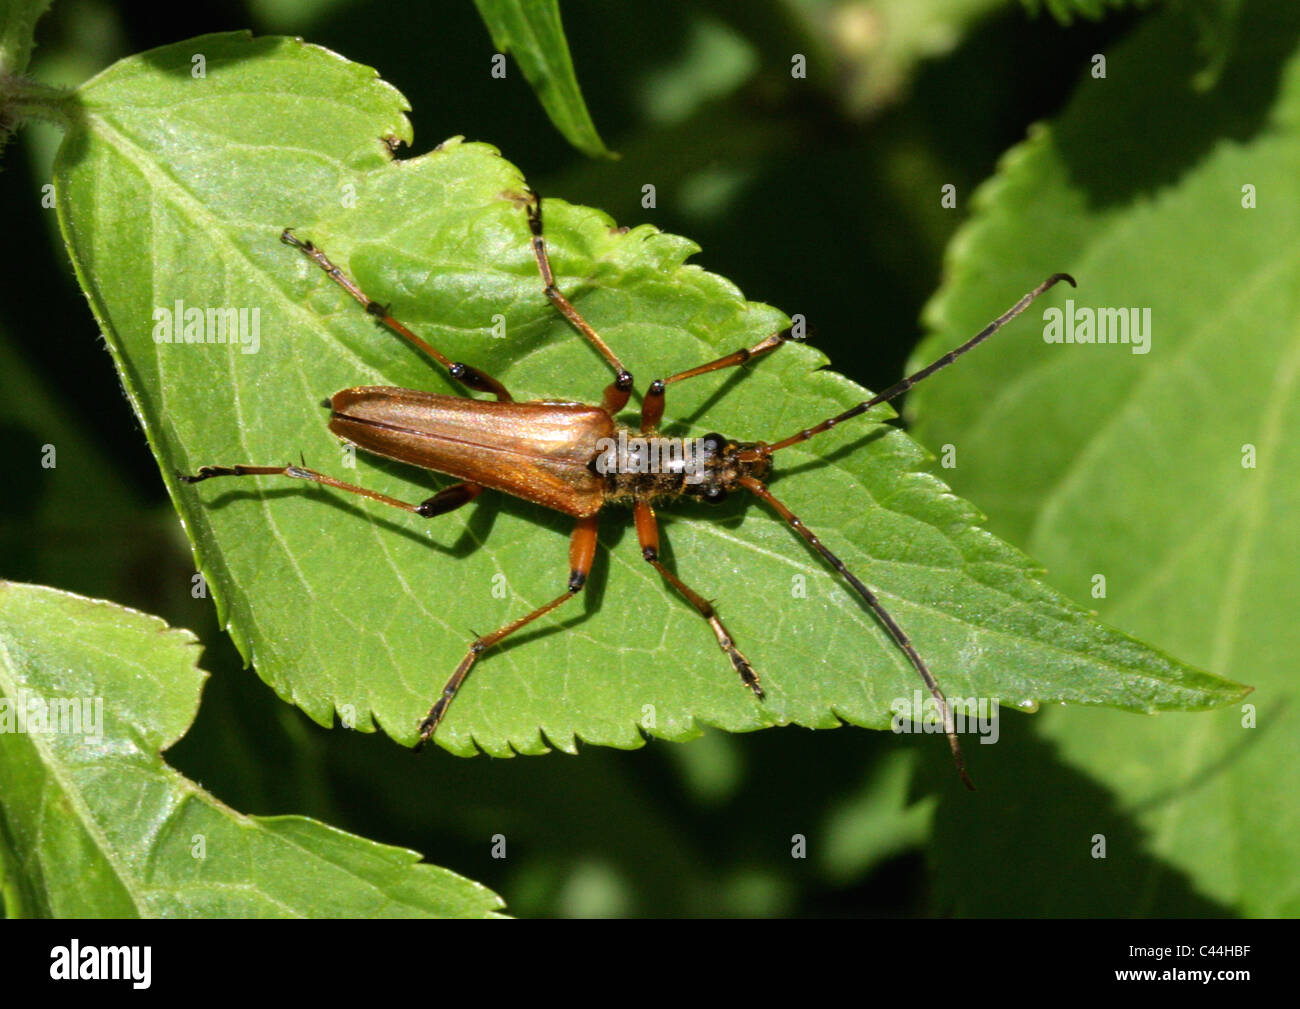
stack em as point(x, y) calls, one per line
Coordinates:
point(467, 376)
point(647, 532)
point(582, 553)
point(652, 407)
point(447, 499)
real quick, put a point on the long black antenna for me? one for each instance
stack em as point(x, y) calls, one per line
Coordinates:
point(901, 387)
point(890, 624)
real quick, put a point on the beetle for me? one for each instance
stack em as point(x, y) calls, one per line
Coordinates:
point(575, 458)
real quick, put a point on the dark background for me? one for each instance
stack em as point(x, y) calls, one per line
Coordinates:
point(819, 196)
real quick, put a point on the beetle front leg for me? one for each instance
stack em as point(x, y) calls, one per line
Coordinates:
point(652, 407)
point(618, 392)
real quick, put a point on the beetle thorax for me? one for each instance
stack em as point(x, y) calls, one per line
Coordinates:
point(644, 466)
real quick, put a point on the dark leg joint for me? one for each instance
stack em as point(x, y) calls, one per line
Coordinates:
point(431, 722)
point(377, 310)
point(474, 379)
point(206, 472)
point(650, 554)
point(576, 581)
point(624, 381)
point(447, 499)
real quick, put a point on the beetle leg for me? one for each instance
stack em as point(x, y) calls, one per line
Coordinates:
point(582, 552)
point(647, 532)
point(447, 499)
point(620, 390)
point(467, 376)
point(652, 407)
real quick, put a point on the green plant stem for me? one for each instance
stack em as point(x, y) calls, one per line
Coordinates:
point(22, 99)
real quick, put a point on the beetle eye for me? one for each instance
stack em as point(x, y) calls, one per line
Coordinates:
point(714, 442)
point(715, 495)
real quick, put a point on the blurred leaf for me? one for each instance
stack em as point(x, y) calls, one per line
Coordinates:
point(880, 820)
point(18, 33)
point(877, 44)
point(714, 62)
point(346, 609)
point(1132, 466)
point(1065, 11)
point(530, 30)
point(48, 528)
point(97, 825)
point(1217, 23)
point(711, 767)
point(292, 15)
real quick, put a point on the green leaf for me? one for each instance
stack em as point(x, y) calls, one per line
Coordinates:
point(876, 46)
point(176, 189)
point(18, 33)
point(1065, 11)
point(95, 824)
point(1215, 22)
point(531, 31)
point(1133, 466)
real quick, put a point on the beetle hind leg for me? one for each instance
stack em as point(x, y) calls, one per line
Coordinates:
point(447, 499)
point(470, 377)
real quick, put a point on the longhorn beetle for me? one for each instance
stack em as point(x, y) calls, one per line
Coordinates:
point(552, 453)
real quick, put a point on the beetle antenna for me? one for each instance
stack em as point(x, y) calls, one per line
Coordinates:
point(888, 622)
point(902, 386)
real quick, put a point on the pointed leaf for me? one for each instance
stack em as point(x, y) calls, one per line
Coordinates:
point(97, 825)
point(173, 194)
point(1171, 473)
